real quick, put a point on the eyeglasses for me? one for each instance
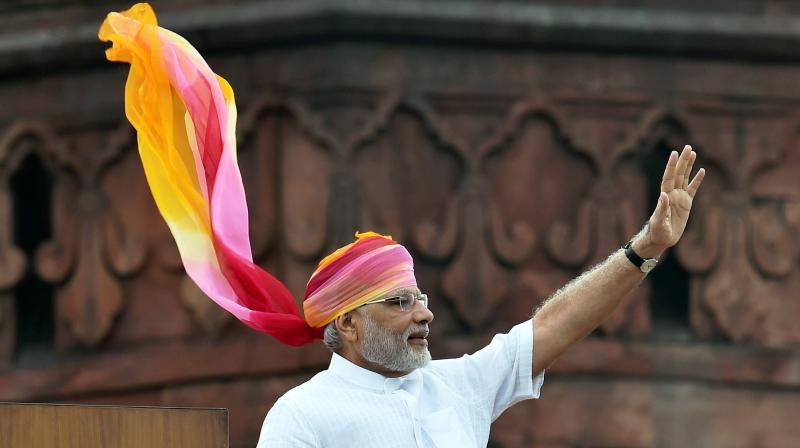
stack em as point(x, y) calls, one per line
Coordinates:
point(405, 302)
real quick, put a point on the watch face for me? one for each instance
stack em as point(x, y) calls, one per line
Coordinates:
point(648, 265)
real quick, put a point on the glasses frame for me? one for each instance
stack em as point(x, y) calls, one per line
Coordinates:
point(422, 298)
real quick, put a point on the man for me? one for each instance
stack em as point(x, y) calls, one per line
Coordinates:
point(382, 390)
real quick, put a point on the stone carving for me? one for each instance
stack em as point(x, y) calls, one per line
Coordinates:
point(91, 250)
point(339, 122)
point(424, 173)
point(408, 179)
point(605, 133)
point(13, 261)
point(744, 250)
point(290, 168)
point(473, 202)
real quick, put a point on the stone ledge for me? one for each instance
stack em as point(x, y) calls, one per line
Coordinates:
point(547, 27)
point(179, 362)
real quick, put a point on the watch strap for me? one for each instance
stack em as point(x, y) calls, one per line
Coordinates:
point(632, 255)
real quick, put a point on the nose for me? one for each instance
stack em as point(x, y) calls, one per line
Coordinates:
point(422, 313)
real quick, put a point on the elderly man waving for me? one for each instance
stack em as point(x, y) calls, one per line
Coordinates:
point(382, 389)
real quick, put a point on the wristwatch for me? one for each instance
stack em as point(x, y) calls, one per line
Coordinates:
point(644, 264)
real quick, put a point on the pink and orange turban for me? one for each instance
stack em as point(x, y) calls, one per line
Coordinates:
point(185, 117)
point(367, 269)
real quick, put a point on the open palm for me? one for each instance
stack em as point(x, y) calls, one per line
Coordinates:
point(675, 202)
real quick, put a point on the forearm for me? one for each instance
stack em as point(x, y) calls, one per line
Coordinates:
point(584, 303)
point(578, 308)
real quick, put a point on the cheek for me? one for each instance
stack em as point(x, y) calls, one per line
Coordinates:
point(391, 322)
point(399, 325)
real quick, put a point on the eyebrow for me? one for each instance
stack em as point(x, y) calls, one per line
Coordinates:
point(402, 291)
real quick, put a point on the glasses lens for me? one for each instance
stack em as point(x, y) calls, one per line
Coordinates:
point(406, 302)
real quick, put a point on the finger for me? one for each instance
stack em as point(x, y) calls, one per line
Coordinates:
point(683, 160)
point(698, 179)
point(687, 174)
point(668, 180)
point(660, 213)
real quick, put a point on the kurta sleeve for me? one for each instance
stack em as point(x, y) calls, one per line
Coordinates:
point(498, 375)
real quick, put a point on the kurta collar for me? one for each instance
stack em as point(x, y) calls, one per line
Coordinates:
point(359, 376)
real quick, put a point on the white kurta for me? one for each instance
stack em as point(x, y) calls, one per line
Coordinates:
point(448, 404)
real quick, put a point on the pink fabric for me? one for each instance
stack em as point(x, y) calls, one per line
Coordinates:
point(368, 269)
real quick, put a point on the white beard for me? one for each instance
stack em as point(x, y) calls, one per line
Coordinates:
point(391, 350)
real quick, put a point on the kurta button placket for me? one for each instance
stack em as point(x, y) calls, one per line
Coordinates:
point(395, 387)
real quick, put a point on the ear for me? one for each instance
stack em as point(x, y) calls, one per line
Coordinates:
point(346, 324)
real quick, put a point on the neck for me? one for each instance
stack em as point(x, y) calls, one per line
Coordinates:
point(355, 357)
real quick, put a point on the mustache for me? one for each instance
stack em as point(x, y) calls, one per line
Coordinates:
point(422, 330)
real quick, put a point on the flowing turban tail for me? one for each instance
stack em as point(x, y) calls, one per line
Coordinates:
point(185, 118)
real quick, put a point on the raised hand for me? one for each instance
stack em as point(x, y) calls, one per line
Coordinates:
point(668, 221)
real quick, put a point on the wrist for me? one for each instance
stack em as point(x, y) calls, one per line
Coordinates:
point(644, 246)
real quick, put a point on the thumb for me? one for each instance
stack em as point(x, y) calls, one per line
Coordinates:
point(660, 213)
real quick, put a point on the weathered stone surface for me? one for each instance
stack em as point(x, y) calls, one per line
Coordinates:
point(157, 364)
point(698, 415)
point(582, 412)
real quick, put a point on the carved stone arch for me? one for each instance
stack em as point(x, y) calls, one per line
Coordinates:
point(513, 238)
point(17, 143)
point(13, 259)
point(661, 124)
point(659, 129)
point(263, 212)
point(519, 113)
point(774, 247)
point(288, 163)
point(50, 151)
point(521, 236)
point(247, 118)
point(340, 142)
point(437, 238)
point(343, 117)
point(662, 127)
point(739, 293)
point(394, 103)
point(272, 102)
point(661, 132)
point(80, 176)
point(777, 155)
point(387, 106)
point(494, 237)
point(672, 129)
point(414, 195)
point(604, 211)
point(90, 251)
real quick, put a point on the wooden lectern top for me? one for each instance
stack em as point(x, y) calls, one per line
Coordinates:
point(78, 426)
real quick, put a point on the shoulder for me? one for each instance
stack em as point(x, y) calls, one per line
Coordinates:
point(318, 398)
point(305, 394)
point(286, 426)
point(503, 347)
point(289, 421)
